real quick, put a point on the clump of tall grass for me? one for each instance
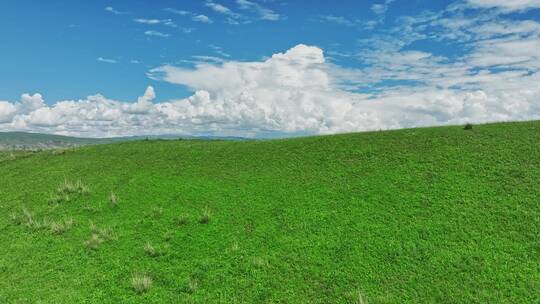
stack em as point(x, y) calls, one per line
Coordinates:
point(191, 285)
point(468, 126)
point(28, 220)
point(82, 188)
point(150, 250)
point(59, 227)
point(113, 199)
point(66, 187)
point(99, 236)
point(205, 217)
point(181, 220)
point(141, 283)
point(94, 241)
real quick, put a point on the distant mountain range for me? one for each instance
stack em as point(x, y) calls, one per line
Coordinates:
point(39, 141)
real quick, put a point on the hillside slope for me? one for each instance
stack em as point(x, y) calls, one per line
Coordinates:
point(435, 215)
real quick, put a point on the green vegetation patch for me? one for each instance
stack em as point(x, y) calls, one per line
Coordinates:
point(434, 215)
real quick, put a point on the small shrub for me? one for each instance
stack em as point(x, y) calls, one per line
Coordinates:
point(468, 127)
point(141, 283)
point(113, 198)
point(206, 216)
point(150, 250)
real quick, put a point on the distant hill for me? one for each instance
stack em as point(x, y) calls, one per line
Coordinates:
point(39, 141)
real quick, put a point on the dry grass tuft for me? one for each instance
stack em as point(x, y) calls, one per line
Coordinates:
point(113, 199)
point(141, 283)
point(150, 250)
point(205, 217)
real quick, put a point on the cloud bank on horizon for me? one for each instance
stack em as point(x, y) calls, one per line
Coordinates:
point(304, 91)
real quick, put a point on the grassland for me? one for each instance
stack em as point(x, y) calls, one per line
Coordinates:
point(435, 215)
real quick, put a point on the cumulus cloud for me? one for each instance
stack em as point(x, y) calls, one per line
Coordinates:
point(299, 91)
point(294, 92)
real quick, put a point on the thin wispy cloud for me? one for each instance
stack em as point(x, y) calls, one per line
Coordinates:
point(111, 9)
point(156, 34)
point(166, 22)
point(177, 12)
point(337, 19)
point(263, 12)
point(506, 5)
point(202, 19)
point(219, 8)
point(381, 8)
point(106, 60)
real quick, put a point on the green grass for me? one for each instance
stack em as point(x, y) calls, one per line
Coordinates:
point(435, 215)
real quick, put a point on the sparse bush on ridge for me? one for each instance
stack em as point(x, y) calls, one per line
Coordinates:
point(468, 127)
point(141, 283)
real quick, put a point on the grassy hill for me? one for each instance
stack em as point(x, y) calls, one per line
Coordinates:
point(435, 215)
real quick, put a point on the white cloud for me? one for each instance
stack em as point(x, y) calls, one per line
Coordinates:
point(156, 34)
point(381, 8)
point(299, 91)
point(263, 12)
point(7, 111)
point(219, 8)
point(106, 60)
point(295, 92)
point(110, 9)
point(202, 18)
point(507, 5)
point(178, 12)
point(166, 22)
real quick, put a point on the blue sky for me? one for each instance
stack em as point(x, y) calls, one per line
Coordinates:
point(52, 47)
point(372, 58)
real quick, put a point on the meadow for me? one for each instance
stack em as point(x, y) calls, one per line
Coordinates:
point(430, 215)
